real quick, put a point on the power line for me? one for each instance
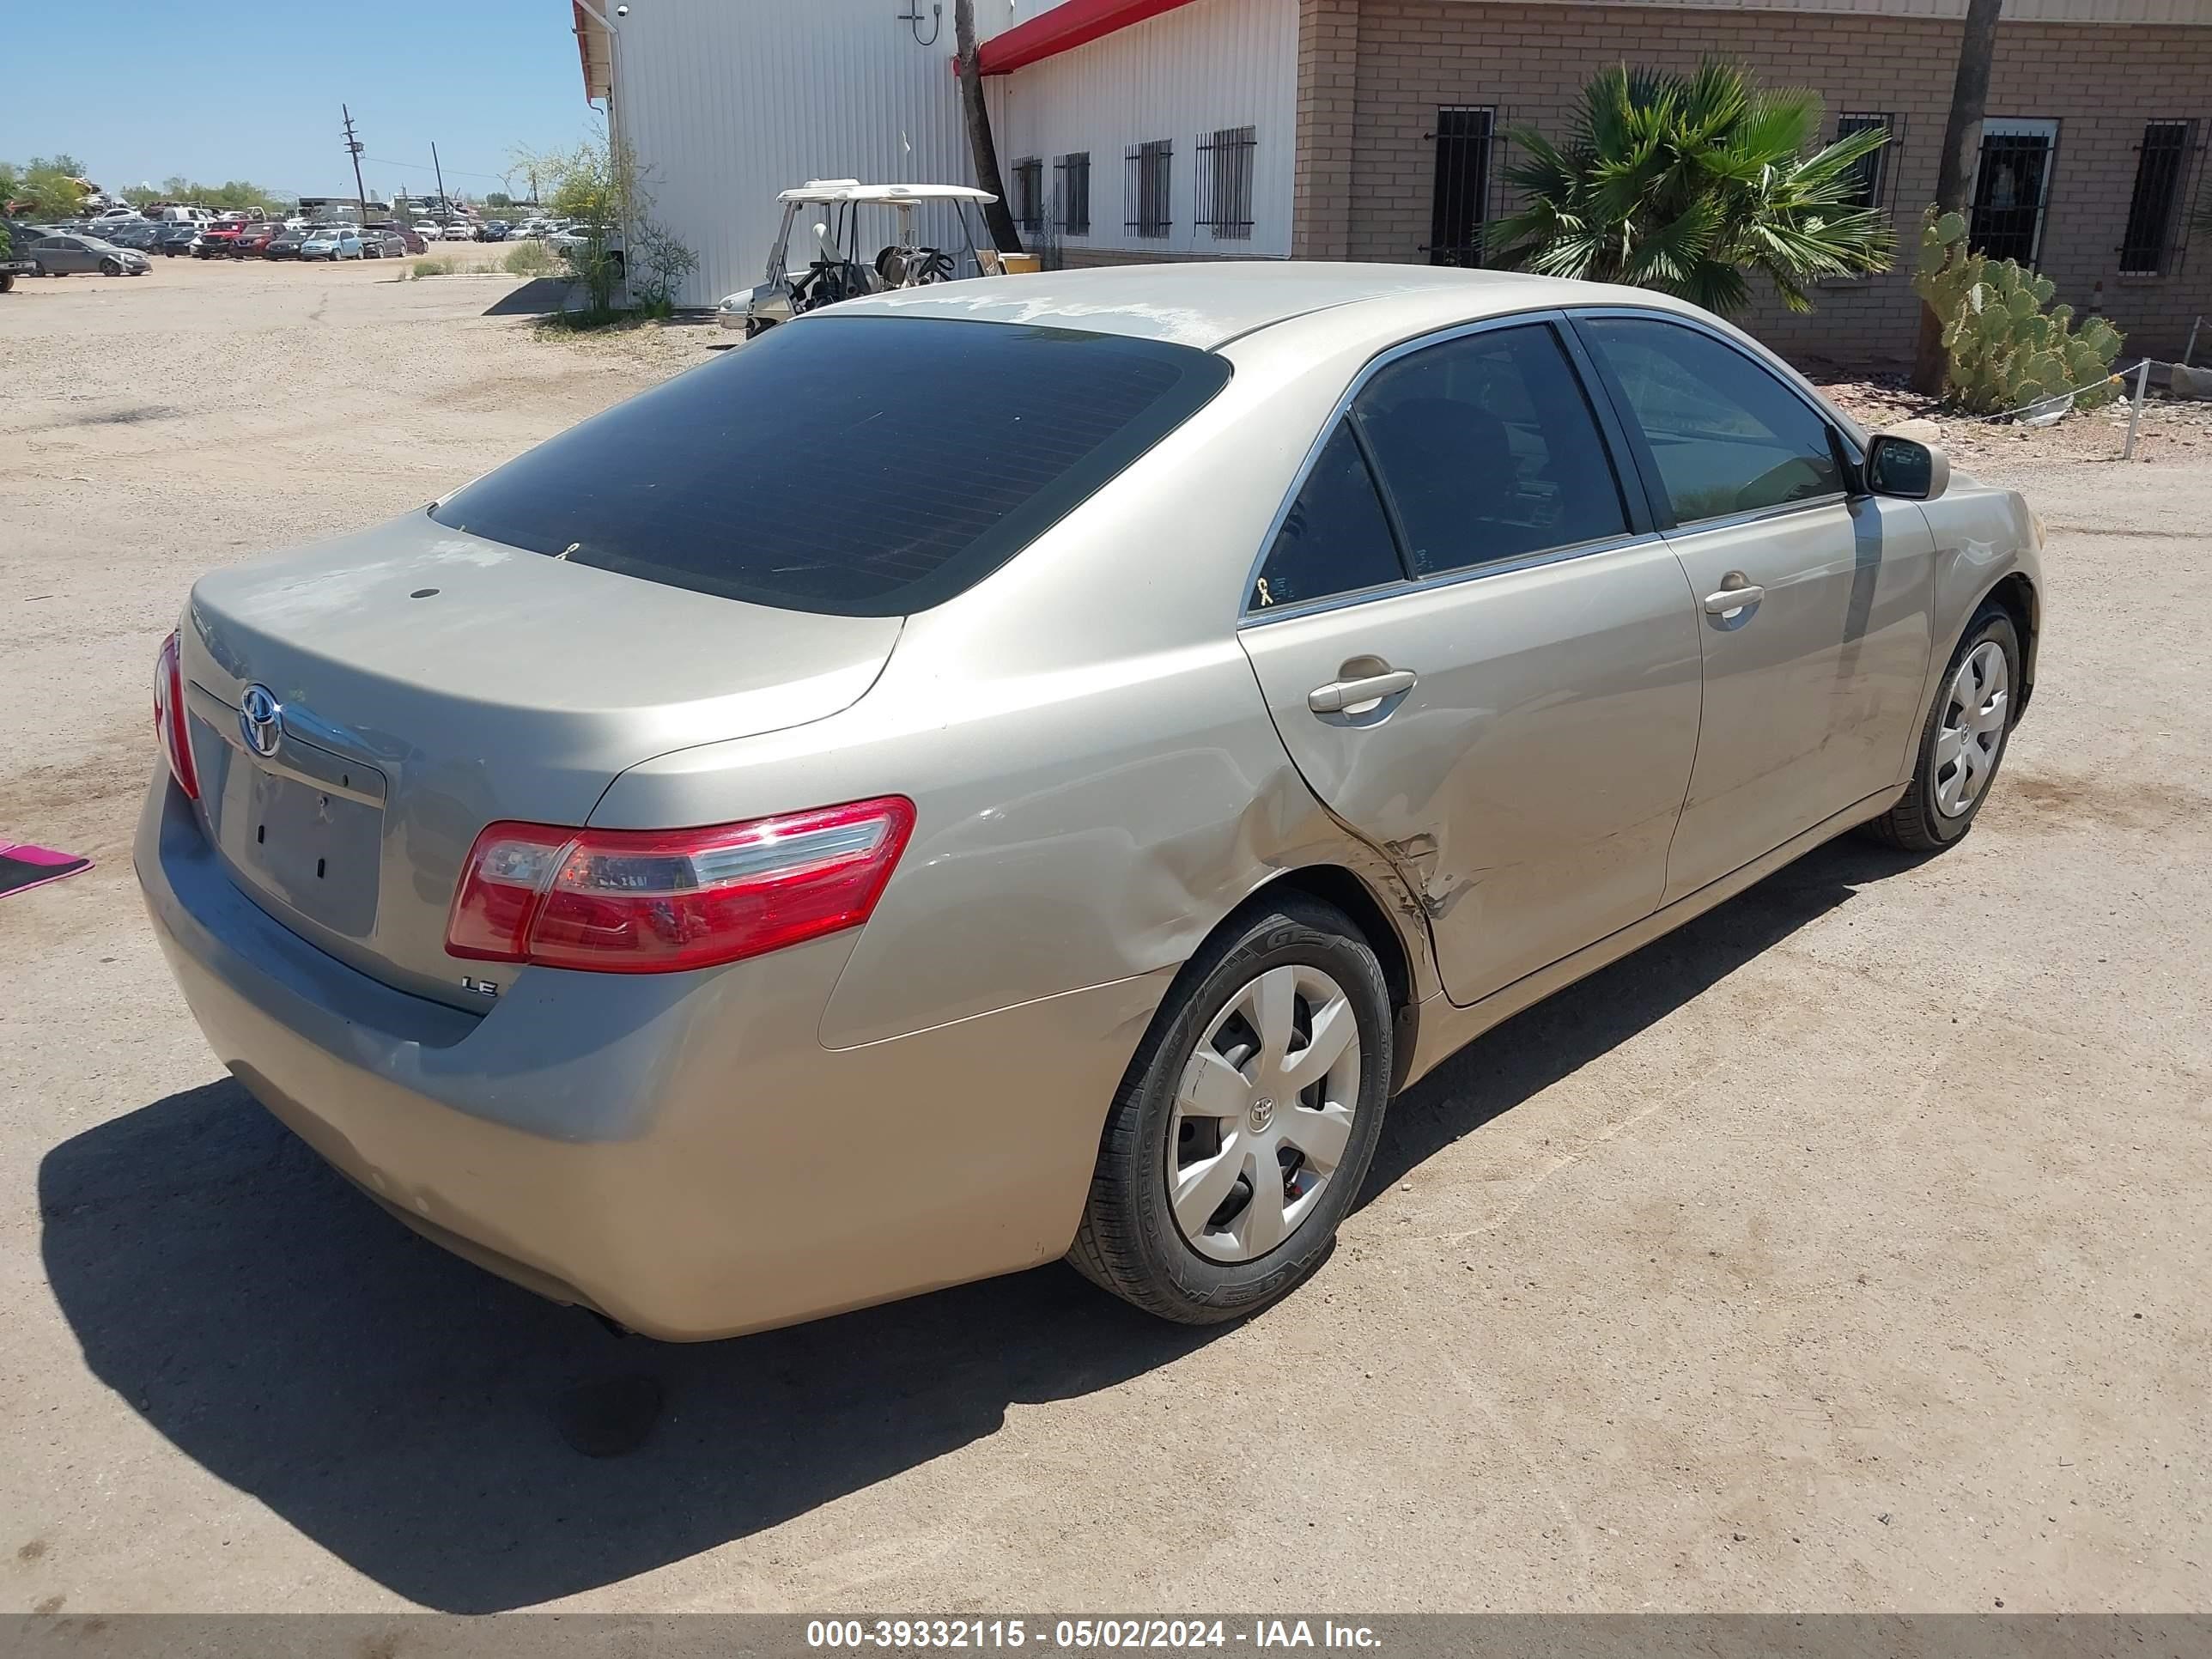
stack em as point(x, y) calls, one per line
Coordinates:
point(387, 161)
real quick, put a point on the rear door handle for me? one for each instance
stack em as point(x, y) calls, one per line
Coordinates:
point(1736, 590)
point(1340, 695)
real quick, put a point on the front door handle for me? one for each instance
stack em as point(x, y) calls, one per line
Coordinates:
point(1736, 590)
point(1340, 695)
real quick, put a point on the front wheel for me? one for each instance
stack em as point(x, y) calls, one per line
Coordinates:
point(110, 268)
point(1246, 1123)
point(7, 282)
point(1963, 742)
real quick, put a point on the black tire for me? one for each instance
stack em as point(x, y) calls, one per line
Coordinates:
point(110, 268)
point(1917, 823)
point(7, 282)
point(1129, 1242)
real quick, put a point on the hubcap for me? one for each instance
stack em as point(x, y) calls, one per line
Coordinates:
point(1975, 711)
point(1263, 1114)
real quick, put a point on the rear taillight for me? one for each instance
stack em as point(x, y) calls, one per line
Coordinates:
point(169, 718)
point(655, 900)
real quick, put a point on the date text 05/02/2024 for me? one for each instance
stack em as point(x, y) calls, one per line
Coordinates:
point(1088, 1635)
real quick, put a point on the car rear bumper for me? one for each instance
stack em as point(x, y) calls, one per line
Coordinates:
point(677, 1151)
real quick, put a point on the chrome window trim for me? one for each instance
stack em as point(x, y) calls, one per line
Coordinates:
point(1250, 615)
point(1274, 613)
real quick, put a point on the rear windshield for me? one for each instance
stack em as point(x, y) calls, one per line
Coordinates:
point(863, 467)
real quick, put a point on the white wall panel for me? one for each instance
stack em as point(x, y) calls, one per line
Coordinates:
point(726, 102)
point(1211, 65)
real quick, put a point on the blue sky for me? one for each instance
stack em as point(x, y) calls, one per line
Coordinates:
point(217, 89)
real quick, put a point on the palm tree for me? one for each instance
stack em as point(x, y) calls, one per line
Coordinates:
point(1686, 184)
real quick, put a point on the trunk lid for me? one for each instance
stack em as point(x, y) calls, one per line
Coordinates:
point(431, 682)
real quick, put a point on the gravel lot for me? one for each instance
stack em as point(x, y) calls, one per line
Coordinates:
point(1846, 1249)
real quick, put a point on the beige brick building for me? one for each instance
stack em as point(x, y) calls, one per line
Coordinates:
point(1398, 115)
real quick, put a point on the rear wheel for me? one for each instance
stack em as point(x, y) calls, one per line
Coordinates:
point(1963, 742)
point(7, 282)
point(1246, 1122)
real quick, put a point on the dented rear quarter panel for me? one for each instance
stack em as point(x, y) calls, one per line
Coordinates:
point(1096, 778)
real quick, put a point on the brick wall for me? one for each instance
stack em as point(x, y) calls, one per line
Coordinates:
point(1530, 62)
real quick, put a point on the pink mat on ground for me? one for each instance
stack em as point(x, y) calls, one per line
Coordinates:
point(25, 866)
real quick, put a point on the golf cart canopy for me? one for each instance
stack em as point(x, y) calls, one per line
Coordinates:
point(852, 190)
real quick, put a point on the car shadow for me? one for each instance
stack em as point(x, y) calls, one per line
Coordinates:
point(428, 1424)
point(1557, 1036)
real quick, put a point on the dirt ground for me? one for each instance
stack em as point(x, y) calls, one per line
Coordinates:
point(1847, 1250)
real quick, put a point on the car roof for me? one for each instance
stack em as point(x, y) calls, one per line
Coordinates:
point(1207, 303)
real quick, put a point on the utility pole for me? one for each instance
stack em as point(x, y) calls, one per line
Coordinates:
point(353, 148)
point(444, 206)
point(1962, 139)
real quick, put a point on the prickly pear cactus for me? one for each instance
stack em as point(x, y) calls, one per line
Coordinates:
point(2004, 350)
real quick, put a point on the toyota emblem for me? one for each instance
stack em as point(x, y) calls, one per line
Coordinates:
point(260, 719)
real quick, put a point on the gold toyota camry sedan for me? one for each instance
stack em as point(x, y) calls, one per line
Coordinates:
point(1028, 768)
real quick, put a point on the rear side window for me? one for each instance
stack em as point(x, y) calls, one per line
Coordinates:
point(1726, 435)
point(1489, 450)
point(1334, 539)
point(866, 466)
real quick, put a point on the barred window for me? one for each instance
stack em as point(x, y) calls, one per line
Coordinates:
point(1148, 210)
point(2160, 161)
point(2012, 188)
point(1225, 181)
point(1029, 194)
point(1074, 190)
point(1868, 171)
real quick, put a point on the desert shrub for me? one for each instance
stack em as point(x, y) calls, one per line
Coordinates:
point(530, 259)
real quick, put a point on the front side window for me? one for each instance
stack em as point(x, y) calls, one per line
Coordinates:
point(1334, 539)
point(1726, 435)
point(808, 471)
point(1489, 451)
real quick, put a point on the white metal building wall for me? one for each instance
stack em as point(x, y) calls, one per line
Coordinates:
point(726, 102)
point(1212, 64)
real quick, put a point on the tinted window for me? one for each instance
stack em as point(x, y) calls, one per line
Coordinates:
point(1489, 450)
point(859, 465)
point(1728, 436)
point(1334, 539)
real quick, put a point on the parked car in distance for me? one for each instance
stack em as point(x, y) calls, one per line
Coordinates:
point(429, 232)
point(286, 243)
point(70, 255)
point(461, 230)
point(496, 230)
point(218, 240)
point(253, 241)
point(177, 236)
point(332, 242)
point(142, 235)
point(380, 242)
point(410, 240)
point(1235, 689)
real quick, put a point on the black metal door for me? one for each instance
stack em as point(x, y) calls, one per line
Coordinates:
point(1459, 203)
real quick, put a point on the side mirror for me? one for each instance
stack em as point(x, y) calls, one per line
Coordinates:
point(1906, 467)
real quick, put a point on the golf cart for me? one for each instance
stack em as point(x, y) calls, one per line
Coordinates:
point(833, 209)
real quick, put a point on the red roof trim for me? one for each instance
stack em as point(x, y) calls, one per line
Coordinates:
point(1070, 24)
